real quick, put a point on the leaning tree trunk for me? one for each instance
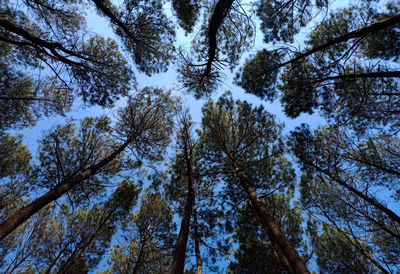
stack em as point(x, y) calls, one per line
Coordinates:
point(362, 32)
point(284, 248)
point(221, 10)
point(392, 215)
point(66, 185)
point(178, 262)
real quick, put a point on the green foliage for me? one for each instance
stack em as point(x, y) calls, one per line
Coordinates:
point(83, 64)
point(148, 239)
point(148, 120)
point(344, 176)
point(336, 255)
point(14, 156)
point(236, 132)
point(259, 75)
point(72, 242)
point(187, 13)
point(66, 151)
point(23, 100)
point(281, 20)
point(149, 35)
point(227, 31)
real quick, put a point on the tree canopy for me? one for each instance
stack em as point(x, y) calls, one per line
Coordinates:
point(144, 136)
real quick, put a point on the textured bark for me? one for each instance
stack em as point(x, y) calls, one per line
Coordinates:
point(66, 185)
point(178, 262)
point(199, 264)
point(285, 249)
point(362, 32)
point(220, 12)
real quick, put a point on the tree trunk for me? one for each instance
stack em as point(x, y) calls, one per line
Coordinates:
point(142, 246)
point(356, 244)
point(220, 12)
point(366, 198)
point(100, 4)
point(66, 185)
point(286, 251)
point(372, 28)
point(197, 241)
point(69, 263)
point(376, 74)
point(178, 262)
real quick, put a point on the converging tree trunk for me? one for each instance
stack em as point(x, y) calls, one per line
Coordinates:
point(362, 32)
point(199, 264)
point(284, 248)
point(178, 262)
point(220, 12)
point(363, 196)
point(23, 214)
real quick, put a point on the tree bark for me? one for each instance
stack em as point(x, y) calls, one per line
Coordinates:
point(372, 28)
point(39, 43)
point(66, 185)
point(220, 12)
point(199, 264)
point(366, 198)
point(286, 251)
point(178, 262)
point(377, 74)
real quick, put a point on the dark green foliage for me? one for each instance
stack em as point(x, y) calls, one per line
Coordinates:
point(281, 20)
point(57, 212)
point(65, 152)
point(88, 65)
point(148, 119)
point(187, 13)
point(249, 136)
point(336, 255)
point(148, 239)
point(22, 98)
point(149, 36)
point(14, 156)
point(259, 75)
point(226, 33)
point(71, 242)
point(345, 174)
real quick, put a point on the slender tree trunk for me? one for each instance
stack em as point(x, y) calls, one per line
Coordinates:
point(220, 12)
point(376, 74)
point(59, 256)
point(285, 249)
point(178, 262)
point(27, 98)
point(372, 28)
point(139, 260)
point(366, 198)
point(356, 244)
point(100, 4)
point(67, 265)
point(197, 241)
point(66, 185)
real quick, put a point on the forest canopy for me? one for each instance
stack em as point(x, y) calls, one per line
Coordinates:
point(108, 164)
